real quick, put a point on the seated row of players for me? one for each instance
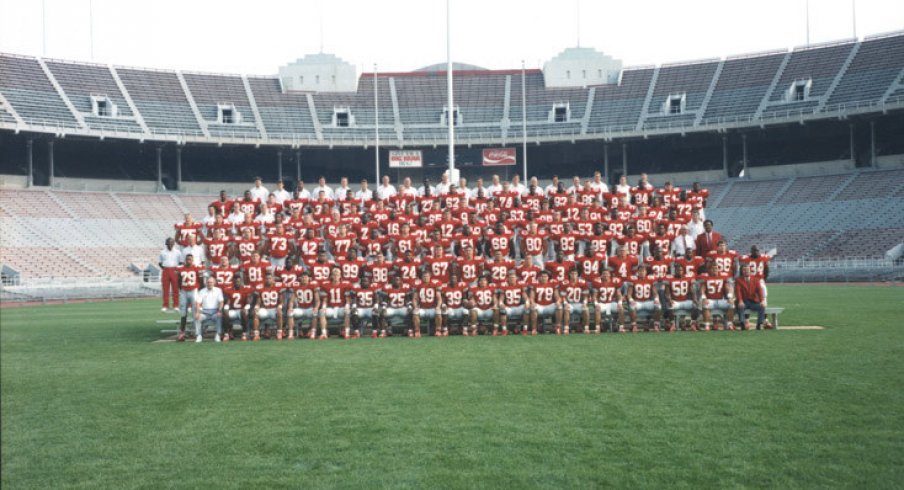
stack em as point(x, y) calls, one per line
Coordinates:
point(411, 302)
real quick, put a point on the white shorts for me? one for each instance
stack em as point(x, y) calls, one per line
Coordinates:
point(546, 310)
point(716, 304)
point(686, 305)
point(365, 313)
point(484, 314)
point(455, 313)
point(236, 314)
point(607, 309)
point(395, 312)
point(299, 313)
point(266, 314)
point(333, 313)
point(513, 310)
point(639, 306)
point(575, 307)
point(426, 312)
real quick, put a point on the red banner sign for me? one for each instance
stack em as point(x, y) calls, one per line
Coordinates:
point(498, 156)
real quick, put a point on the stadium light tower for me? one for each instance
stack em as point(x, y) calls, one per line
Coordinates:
point(450, 111)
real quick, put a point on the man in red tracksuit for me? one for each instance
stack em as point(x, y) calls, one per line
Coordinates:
point(169, 260)
point(750, 292)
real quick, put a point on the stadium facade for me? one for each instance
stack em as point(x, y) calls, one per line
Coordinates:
point(810, 136)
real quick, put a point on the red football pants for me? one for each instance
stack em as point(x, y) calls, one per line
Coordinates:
point(168, 279)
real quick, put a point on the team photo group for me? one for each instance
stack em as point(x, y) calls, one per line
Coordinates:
point(491, 259)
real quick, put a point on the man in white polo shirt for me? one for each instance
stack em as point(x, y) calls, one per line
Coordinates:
point(259, 192)
point(385, 190)
point(281, 194)
point(322, 187)
point(210, 309)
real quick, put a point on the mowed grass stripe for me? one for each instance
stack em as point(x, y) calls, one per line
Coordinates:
point(88, 400)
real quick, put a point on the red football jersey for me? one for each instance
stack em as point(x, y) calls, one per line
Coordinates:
point(623, 268)
point(501, 242)
point(320, 271)
point(759, 264)
point(499, 270)
point(216, 250)
point(567, 242)
point(224, 275)
point(397, 297)
point(725, 263)
point(375, 246)
point(379, 273)
point(308, 248)
point(306, 295)
point(591, 267)
point(663, 242)
point(692, 266)
point(512, 295)
point(528, 273)
point(607, 292)
point(270, 297)
point(289, 276)
point(715, 287)
point(278, 244)
point(659, 268)
point(642, 289)
point(255, 273)
point(545, 293)
point(680, 288)
point(440, 266)
point(238, 298)
point(600, 243)
point(335, 294)
point(408, 271)
point(470, 270)
point(351, 268)
point(484, 298)
point(366, 297)
point(428, 294)
point(573, 292)
point(534, 243)
point(454, 295)
point(559, 270)
point(190, 277)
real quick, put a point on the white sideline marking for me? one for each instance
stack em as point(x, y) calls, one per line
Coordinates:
point(804, 327)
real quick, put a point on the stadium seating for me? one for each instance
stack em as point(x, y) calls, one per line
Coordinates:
point(617, 107)
point(691, 79)
point(742, 86)
point(820, 65)
point(876, 65)
point(210, 90)
point(30, 92)
point(161, 101)
point(80, 81)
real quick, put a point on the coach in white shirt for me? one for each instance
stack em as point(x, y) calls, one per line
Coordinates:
point(301, 192)
point(598, 185)
point(343, 190)
point(554, 186)
point(259, 192)
point(517, 186)
point(364, 194)
point(386, 190)
point(623, 188)
point(683, 242)
point(575, 186)
point(422, 190)
point(322, 187)
point(443, 187)
point(195, 250)
point(407, 189)
point(281, 194)
point(495, 186)
point(479, 187)
point(170, 258)
point(210, 309)
point(696, 225)
point(536, 183)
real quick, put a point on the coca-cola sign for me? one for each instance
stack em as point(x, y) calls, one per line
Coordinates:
point(498, 156)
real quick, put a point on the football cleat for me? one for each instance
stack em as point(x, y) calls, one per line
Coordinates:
point(257, 336)
point(279, 334)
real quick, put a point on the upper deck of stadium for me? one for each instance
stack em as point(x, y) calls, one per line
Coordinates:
point(828, 81)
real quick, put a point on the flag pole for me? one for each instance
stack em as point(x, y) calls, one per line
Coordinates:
point(376, 127)
point(524, 119)
point(450, 112)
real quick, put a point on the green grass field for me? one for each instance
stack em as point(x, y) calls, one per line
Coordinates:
point(90, 401)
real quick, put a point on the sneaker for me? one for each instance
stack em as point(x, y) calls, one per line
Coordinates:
point(312, 335)
point(495, 333)
point(164, 309)
point(227, 338)
point(244, 337)
point(324, 336)
point(633, 328)
point(567, 331)
point(217, 338)
point(768, 326)
point(621, 329)
point(558, 330)
point(198, 338)
point(417, 334)
point(373, 334)
point(279, 334)
point(291, 335)
point(464, 332)
point(533, 333)
point(257, 336)
point(382, 334)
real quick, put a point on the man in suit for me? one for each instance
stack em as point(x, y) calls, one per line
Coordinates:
point(707, 240)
